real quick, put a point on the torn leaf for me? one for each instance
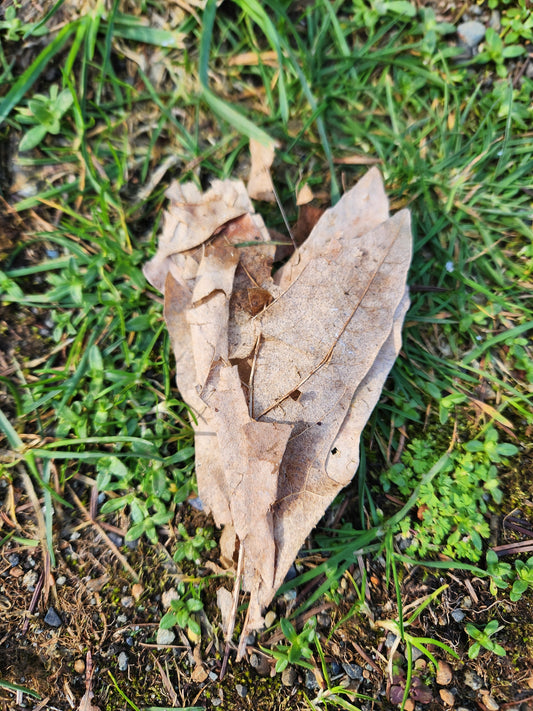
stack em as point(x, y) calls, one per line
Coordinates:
point(282, 371)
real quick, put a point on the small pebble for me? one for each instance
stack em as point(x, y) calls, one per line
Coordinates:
point(126, 601)
point(409, 705)
point(270, 618)
point(52, 618)
point(458, 615)
point(30, 580)
point(390, 640)
point(137, 590)
point(354, 671)
point(416, 654)
point(490, 703)
point(16, 572)
point(61, 580)
point(471, 33)
point(123, 661)
point(13, 559)
point(289, 676)
point(444, 673)
point(213, 676)
point(196, 503)
point(335, 668)
point(495, 22)
point(466, 603)
point(122, 619)
point(250, 639)
point(291, 573)
point(241, 690)
point(323, 620)
point(473, 680)
point(310, 681)
point(447, 697)
point(215, 702)
point(420, 664)
point(168, 596)
point(79, 666)
point(116, 539)
point(165, 637)
point(260, 664)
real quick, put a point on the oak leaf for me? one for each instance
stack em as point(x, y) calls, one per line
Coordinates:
point(281, 372)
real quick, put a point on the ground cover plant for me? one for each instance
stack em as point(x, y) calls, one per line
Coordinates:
point(108, 574)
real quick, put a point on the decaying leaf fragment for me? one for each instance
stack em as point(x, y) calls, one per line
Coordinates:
point(283, 371)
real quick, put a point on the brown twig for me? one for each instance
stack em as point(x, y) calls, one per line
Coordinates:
point(104, 536)
point(233, 612)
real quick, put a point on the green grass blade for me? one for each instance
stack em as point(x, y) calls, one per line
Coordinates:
point(15, 687)
point(131, 28)
point(219, 107)
point(10, 432)
point(258, 14)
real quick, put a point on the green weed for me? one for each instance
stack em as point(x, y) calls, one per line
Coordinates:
point(191, 547)
point(452, 507)
point(483, 638)
point(299, 650)
point(182, 611)
point(44, 114)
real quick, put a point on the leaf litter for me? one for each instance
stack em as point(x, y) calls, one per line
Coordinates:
point(282, 370)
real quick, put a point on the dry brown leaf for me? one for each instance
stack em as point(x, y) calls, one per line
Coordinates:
point(281, 373)
point(86, 703)
point(269, 59)
point(305, 195)
point(357, 159)
point(260, 186)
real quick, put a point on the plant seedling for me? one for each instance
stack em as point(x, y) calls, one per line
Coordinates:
point(181, 614)
point(524, 579)
point(496, 51)
point(483, 639)
point(299, 650)
point(191, 547)
point(45, 112)
point(15, 28)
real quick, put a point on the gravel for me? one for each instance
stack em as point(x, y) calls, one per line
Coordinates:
point(52, 618)
point(471, 33)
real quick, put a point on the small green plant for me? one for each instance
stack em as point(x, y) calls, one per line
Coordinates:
point(432, 31)
point(299, 648)
point(190, 547)
point(524, 579)
point(502, 575)
point(451, 507)
point(483, 639)
point(517, 23)
point(500, 572)
point(182, 611)
point(45, 114)
point(495, 50)
point(15, 29)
